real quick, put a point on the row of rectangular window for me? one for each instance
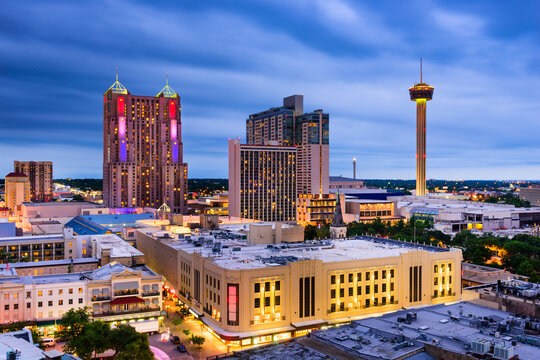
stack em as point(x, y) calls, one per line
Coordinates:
point(40, 304)
point(436, 280)
point(436, 267)
point(277, 286)
point(359, 290)
point(212, 281)
point(359, 276)
point(277, 301)
point(367, 303)
point(443, 293)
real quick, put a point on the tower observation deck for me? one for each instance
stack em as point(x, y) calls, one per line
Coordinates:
point(421, 92)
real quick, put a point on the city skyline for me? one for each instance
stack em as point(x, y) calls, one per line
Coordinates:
point(228, 61)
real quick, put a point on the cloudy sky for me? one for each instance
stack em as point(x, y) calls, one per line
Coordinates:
point(228, 59)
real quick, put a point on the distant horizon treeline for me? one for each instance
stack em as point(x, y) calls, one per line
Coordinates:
point(213, 184)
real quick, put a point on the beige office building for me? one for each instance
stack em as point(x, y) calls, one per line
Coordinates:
point(253, 294)
point(17, 189)
point(262, 181)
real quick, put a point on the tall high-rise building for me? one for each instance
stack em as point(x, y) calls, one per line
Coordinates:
point(262, 181)
point(40, 174)
point(421, 93)
point(309, 132)
point(313, 153)
point(142, 150)
point(17, 188)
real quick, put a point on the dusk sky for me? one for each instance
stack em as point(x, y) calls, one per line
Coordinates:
point(227, 59)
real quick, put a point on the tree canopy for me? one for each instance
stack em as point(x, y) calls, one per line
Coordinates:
point(86, 337)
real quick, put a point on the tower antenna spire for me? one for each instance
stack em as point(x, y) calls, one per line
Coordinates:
point(166, 78)
point(117, 73)
point(420, 69)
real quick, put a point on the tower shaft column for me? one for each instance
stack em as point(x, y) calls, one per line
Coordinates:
point(421, 147)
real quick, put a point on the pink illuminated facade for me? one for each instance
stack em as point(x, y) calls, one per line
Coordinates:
point(142, 150)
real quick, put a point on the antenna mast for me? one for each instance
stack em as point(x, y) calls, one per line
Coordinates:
point(117, 73)
point(420, 69)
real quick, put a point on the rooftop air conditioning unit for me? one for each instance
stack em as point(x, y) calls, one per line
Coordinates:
point(502, 351)
point(480, 346)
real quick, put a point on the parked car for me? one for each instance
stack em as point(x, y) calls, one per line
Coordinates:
point(174, 339)
point(48, 342)
point(181, 348)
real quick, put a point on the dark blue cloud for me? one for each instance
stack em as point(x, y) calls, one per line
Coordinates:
point(228, 59)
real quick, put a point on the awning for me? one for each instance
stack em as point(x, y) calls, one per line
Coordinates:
point(49, 322)
point(127, 300)
point(228, 335)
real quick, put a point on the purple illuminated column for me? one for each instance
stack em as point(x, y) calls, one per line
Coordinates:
point(174, 131)
point(122, 129)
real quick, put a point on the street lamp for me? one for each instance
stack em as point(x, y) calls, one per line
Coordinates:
point(167, 310)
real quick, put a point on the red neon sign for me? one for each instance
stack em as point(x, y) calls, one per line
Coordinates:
point(121, 107)
point(172, 111)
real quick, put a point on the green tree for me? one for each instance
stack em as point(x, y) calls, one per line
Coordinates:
point(129, 344)
point(121, 337)
point(94, 339)
point(73, 324)
point(323, 232)
point(178, 321)
point(310, 232)
point(197, 340)
point(36, 338)
point(77, 197)
point(139, 349)
point(186, 332)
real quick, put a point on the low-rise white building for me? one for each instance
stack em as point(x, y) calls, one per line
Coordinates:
point(451, 216)
point(114, 292)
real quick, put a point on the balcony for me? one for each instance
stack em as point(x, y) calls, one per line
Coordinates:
point(126, 292)
point(151, 293)
point(101, 298)
point(144, 309)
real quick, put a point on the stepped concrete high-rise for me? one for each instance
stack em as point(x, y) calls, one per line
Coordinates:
point(421, 93)
point(142, 150)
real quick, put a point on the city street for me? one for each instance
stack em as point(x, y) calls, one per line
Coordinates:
point(212, 345)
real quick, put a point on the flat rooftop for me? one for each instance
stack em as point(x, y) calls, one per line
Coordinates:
point(450, 205)
point(237, 253)
point(452, 327)
point(103, 273)
point(27, 350)
point(118, 246)
point(32, 264)
point(62, 203)
point(23, 239)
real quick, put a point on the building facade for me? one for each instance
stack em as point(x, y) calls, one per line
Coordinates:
point(315, 209)
point(142, 150)
point(258, 294)
point(262, 181)
point(341, 182)
point(40, 174)
point(530, 194)
point(17, 189)
point(114, 293)
point(288, 125)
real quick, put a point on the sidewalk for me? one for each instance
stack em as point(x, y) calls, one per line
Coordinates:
point(212, 346)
